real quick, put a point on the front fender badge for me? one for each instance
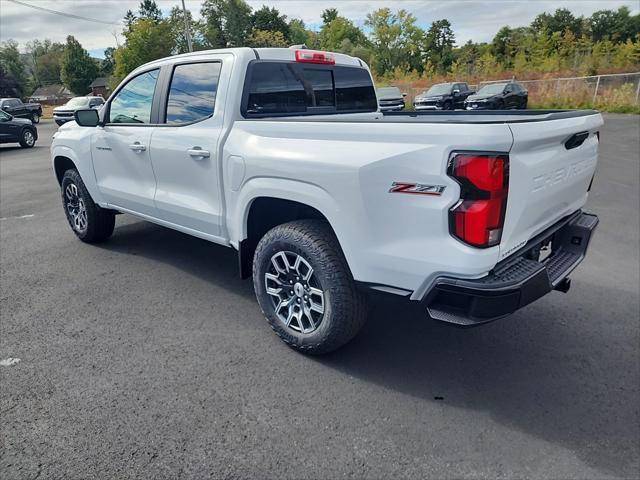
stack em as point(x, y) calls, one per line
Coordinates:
point(417, 188)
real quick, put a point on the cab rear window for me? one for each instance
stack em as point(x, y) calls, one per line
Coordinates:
point(289, 88)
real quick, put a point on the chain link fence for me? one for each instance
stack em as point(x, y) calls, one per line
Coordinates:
point(619, 89)
point(613, 90)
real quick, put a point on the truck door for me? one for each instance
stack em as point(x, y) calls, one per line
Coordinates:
point(15, 107)
point(120, 149)
point(184, 146)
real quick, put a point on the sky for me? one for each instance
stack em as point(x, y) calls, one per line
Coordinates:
point(476, 20)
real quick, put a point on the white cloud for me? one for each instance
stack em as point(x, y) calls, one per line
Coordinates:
point(471, 19)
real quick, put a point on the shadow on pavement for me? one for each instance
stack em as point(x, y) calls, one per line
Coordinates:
point(547, 370)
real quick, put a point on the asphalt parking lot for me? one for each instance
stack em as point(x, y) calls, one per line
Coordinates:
point(147, 357)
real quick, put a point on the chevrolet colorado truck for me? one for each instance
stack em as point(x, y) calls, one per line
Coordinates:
point(283, 155)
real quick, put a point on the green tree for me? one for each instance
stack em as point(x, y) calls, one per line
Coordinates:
point(270, 19)
point(266, 38)
point(78, 69)
point(561, 20)
point(149, 10)
point(129, 18)
point(332, 34)
point(12, 65)
point(108, 62)
point(618, 25)
point(329, 15)
point(176, 23)
point(438, 45)
point(395, 41)
point(45, 58)
point(237, 22)
point(227, 23)
point(145, 42)
point(297, 31)
point(466, 58)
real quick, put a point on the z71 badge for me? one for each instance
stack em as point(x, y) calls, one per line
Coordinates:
point(416, 188)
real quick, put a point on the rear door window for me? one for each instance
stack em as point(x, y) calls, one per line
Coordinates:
point(288, 88)
point(276, 88)
point(192, 94)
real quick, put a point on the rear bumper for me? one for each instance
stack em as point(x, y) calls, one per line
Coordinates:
point(516, 281)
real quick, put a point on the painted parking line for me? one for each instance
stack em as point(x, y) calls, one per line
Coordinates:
point(18, 216)
point(9, 362)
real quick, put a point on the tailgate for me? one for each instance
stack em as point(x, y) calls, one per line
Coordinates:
point(547, 180)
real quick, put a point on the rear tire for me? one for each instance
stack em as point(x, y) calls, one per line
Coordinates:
point(27, 138)
point(305, 289)
point(89, 222)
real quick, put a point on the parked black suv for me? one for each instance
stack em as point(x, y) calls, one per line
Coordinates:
point(443, 96)
point(18, 130)
point(498, 96)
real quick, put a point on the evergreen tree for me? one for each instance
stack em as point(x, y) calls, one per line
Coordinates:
point(78, 69)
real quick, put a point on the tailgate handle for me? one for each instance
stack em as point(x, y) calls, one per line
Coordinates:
point(576, 140)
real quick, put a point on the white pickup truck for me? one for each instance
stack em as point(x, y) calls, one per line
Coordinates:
point(283, 155)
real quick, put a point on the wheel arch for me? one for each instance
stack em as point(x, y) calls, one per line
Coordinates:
point(262, 213)
point(61, 164)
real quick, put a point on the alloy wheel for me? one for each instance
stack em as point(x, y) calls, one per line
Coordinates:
point(76, 208)
point(28, 138)
point(296, 294)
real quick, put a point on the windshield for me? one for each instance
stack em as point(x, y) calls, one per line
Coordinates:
point(440, 89)
point(491, 89)
point(389, 92)
point(78, 102)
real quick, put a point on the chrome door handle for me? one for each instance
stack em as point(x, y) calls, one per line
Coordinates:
point(137, 147)
point(198, 152)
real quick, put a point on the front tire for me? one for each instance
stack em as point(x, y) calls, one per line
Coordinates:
point(27, 138)
point(305, 289)
point(88, 221)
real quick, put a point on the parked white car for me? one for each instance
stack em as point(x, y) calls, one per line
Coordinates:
point(64, 113)
point(283, 155)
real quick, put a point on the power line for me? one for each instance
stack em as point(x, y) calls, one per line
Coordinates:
point(70, 15)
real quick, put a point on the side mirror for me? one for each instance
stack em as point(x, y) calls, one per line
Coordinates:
point(87, 117)
point(456, 92)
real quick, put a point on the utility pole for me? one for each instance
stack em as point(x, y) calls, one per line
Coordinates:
point(187, 30)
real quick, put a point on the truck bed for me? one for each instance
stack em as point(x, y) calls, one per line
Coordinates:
point(434, 116)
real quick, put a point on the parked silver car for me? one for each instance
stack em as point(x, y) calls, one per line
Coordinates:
point(390, 99)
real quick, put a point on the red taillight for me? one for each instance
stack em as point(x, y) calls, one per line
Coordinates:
point(484, 183)
point(313, 56)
